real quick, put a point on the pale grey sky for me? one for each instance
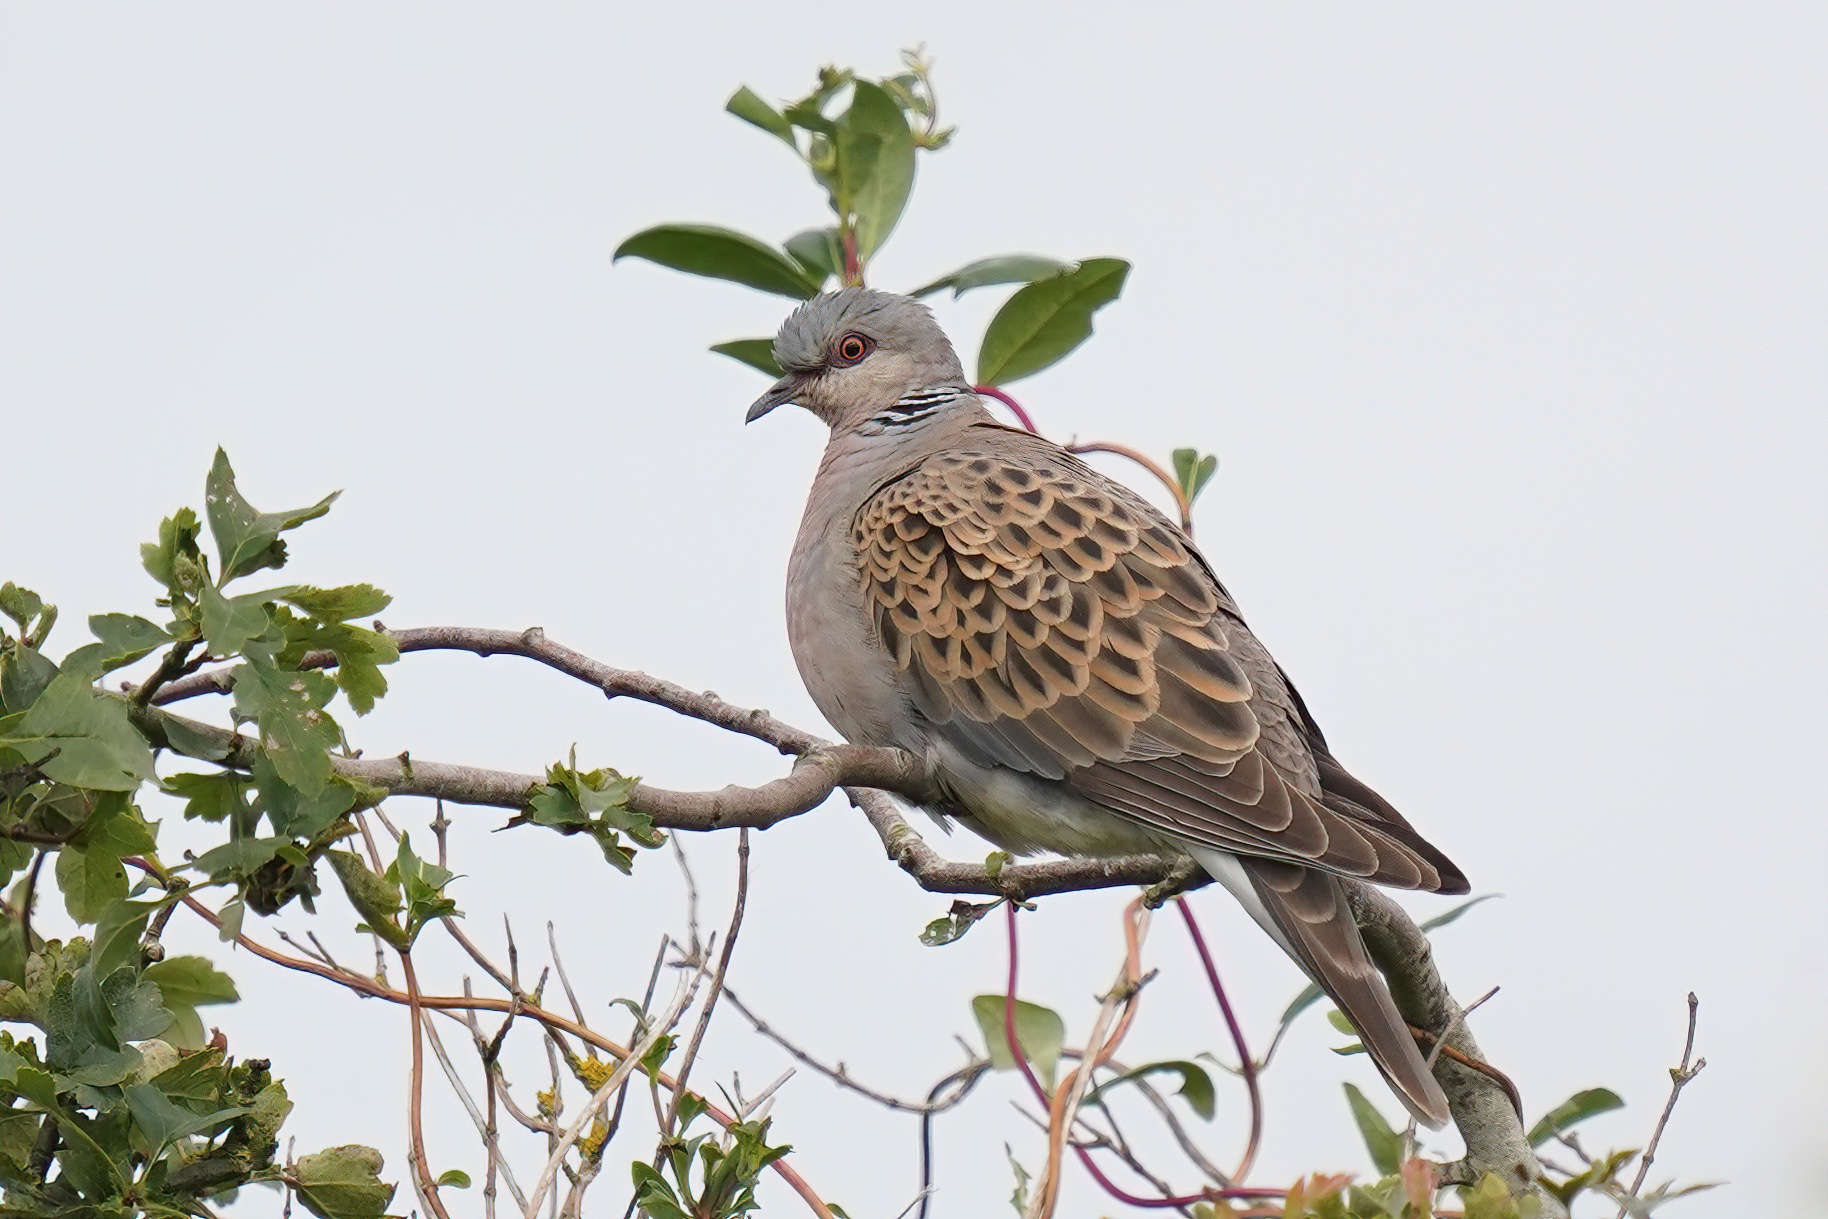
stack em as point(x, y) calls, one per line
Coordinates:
point(1506, 322)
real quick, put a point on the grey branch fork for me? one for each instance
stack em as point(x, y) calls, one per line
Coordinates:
point(1482, 1111)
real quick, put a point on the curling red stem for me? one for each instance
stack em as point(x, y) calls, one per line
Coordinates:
point(1248, 1065)
point(991, 391)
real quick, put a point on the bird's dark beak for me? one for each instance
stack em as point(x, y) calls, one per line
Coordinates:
point(780, 392)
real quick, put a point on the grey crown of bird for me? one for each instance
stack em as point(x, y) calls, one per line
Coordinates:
point(1065, 660)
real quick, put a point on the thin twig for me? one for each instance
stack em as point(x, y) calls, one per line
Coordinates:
point(484, 1126)
point(551, 1021)
point(717, 980)
point(688, 987)
point(1679, 1076)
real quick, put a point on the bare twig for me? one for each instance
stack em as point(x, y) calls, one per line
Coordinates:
point(1679, 1077)
point(717, 981)
point(688, 987)
point(485, 1127)
point(551, 1021)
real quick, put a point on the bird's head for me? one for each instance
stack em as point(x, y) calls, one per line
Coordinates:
point(852, 353)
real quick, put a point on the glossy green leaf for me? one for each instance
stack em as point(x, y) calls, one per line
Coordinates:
point(344, 1183)
point(720, 253)
point(454, 1178)
point(1039, 1032)
point(818, 251)
point(1043, 322)
point(1571, 1112)
point(247, 539)
point(876, 160)
point(756, 353)
point(1196, 1084)
point(1382, 1140)
point(750, 108)
point(79, 736)
point(989, 272)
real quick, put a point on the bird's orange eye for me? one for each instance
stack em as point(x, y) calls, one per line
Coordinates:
point(851, 348)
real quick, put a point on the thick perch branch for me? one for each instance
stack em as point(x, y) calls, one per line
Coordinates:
point(1482, 1109)
point(1493, 1133)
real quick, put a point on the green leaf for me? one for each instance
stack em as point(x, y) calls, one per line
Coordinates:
point(1193, 472)
point(422, 884)
point(359, 654)
point(569, 799)
point(185, 984)
point(818, 251)
point(1491, 1199)
point(720, 253)
point(344, 1183)
point(231, 623)
point(1196, 1084)
point(875, 163)
point(293, 814)
point(246, 539)
point(91, 881)
point(22, 605)
point(95, 743)
point(338, 604)
point(121, 640)
point(1576, 1109)
point(1441, 920)
point(454, 1178)
point(756, 353)
point(956, 922)
point(745, 105)
point(1046, 320)
point(1039, 1032)
point(989, 272)
point(174, 560)
point(118, 931)
point(212, 797)
point(289, 708)
point(161, 1123)
point(1381, 1139)
point(25, 674)
point(238, 858)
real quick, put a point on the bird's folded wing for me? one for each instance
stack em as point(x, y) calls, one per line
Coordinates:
point(1049, 620)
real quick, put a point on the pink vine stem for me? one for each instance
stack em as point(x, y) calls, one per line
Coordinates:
point(1085, 1157)
point(1247, 1064)
point(991, 391)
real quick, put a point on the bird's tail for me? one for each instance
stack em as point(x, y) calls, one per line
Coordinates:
point(1305, 910)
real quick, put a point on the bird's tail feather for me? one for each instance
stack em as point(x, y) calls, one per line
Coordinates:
point(1305, 910)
